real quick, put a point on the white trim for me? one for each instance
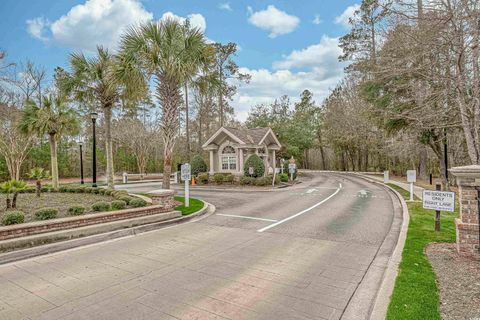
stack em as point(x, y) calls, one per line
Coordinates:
point(245, 217)
point(215, 135)
point(274, 137)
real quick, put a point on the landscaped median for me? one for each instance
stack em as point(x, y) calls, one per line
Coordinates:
point(415, 295)
point(100, 214)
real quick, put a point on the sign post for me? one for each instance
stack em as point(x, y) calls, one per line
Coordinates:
point(291, 170)
point(411, 179)
point(282, 164)
point(439, 201)
point(251, 171)
point(186, 171)
point(386, 176)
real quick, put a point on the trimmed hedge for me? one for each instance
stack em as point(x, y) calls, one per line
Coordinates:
point(218, 178)
point(138, 203)
point(203, 178)
point(198, 165)
point(76, 210)
point(118, 205)
point(13, 217)
point(247, 181)
point(101, 206)
point(257, 164)
point(46, 214)
point(283, 177)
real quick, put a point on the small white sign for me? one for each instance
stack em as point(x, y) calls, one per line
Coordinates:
point(439, 200)
point(411, 176)
point(386, 176)
point(291, 166)
point(186, 171)
point(251, 171)
point(291, 170)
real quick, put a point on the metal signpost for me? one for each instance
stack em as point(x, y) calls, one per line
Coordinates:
point(386, 177)
point(186, 172)
point(439, 201)
point(291, 169)
point(251, 171)
point(282, 164)
point(411, 179)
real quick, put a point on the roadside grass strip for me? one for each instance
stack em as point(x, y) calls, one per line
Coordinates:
point(415, 295)
point(194, 206)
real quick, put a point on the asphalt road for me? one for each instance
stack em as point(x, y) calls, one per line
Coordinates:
point(315, 251)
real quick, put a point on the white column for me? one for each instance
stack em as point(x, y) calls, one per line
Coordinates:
point(274, 162)
point(211, 162)
point(240, 160)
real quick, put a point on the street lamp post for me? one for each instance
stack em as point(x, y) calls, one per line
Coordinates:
point(94, 116)
point(81, 163)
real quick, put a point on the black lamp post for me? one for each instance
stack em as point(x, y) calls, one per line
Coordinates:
point(80, 144)
point(94, 116)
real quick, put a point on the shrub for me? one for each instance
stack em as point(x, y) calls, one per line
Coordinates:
point(228, 177)
point(13, 217)
point(283, 177)
point(95, 190)
point(247, 181)
point(109, 192)
point(79, 190)
point(138, 203)
point(46, 189)
point(118, 205)
point(101, 206)
point(257, 164)
point(29, 190)
point(261, 181)
point(101, 191)
point(62, 189)
point(46, 214)
point(218, 177)
point(127, 199)
point(76, 210)
point(198, 165)
point(203, 178)
point(117, 194)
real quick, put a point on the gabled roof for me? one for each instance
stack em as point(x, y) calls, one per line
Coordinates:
point(254, 136)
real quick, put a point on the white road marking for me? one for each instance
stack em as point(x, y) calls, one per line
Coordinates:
point(363, 192)
point(245, 217)
point(311, 190)
point(302, 212)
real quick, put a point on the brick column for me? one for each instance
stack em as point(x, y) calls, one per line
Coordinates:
point(467, 226)
point(164, 198)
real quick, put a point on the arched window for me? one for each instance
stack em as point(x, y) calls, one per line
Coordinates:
point(229, 158)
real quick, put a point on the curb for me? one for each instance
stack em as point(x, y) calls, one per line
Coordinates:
point(8, 257)
point(382, 299)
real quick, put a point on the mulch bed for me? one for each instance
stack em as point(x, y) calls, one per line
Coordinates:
point(458, 281)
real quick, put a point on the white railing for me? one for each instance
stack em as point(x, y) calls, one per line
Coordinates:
point(129, 177)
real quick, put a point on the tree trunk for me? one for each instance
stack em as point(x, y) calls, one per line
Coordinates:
point(220, 95)
point(423, 171)
point(9, 202)
point(53, 156)
point(187, 128)
point(39, 188)
point(108, 145)
point(14, 200)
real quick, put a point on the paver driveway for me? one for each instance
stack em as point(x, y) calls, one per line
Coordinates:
point(298, 253)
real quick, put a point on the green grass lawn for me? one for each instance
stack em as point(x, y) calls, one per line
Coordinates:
point(194, 206)
point(415, 295)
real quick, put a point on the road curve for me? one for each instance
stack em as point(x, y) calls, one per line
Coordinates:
point(298, 253)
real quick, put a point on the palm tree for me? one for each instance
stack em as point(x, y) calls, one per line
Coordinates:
point(172, 53)
point(54, 118)
point(12, 187)
point(102, 81)
point(39, 174)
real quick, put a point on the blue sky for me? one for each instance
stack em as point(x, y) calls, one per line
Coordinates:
point(286, 46)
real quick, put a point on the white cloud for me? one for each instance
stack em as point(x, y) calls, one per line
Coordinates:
point(321, 73)
point(196, 20)
point(275, 21)
point(344, 18)
point(98, 22)
point(316, 19)
point(225, 6)
point(37, 28)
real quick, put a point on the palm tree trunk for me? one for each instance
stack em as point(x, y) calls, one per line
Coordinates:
point(39, 188)
point(53, 155)
point(14, 200)
point(187, 129)
point(108, 145)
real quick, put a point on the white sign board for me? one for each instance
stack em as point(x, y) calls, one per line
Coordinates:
point(291, 166)
point(186, 171)
point(291, 170)
point(251, 171)
point(439, 200)
point(411, 176)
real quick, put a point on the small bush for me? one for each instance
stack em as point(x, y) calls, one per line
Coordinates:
point(198, 165)
point(257, 164)
point(228, 177)
point(218, 178)
point(79, 190)
point(95, 190)
point(46, 214)
point(118, 205)
point(203, 178)
point(244, 181)
point(117, 194)
point(13, 217)
point(109, 192)
point(29, 190)
point(138, 203)
point(127, 199)
point(261, 181)
point(46, 189)
point(62, 189)
point(283, 177)
point(101, 191)
point(76, 210)
point(101, 206)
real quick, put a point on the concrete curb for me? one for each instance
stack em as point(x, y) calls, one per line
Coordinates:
point(382, 299)
point(8, 257)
